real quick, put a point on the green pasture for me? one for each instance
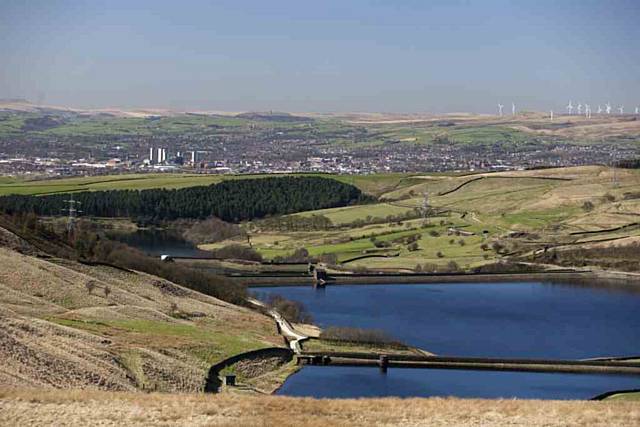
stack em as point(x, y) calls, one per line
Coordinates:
point(345, 215)
point(354, 242)
point(109, 182)
point(208, 344)
point(372, 184)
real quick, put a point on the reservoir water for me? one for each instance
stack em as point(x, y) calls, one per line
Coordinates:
point(159, 242)
point(529, 320)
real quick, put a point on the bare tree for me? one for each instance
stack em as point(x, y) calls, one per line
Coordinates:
point(90, 285)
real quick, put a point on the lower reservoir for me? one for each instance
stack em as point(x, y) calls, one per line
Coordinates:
point(348, 382)
point(524, 320)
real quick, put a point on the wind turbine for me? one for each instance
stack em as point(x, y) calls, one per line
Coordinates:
point(599, 109)
point(500, 107)
point(513, 109)
point(570, 107)
point(579, 108)
point(621, 109)
point(608, 107)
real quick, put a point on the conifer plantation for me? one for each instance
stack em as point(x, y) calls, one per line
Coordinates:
point(232, 201)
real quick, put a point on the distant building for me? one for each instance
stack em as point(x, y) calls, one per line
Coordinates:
point(157, 155)
point(194, 157)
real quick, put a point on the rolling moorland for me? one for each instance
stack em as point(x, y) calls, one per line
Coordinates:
point(22, 119)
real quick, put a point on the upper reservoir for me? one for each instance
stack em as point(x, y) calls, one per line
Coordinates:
point(156, 242)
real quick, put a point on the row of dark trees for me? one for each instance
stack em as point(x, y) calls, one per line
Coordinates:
point(371, 337)
point(233, 200)
point(629, 163)
point(624, 258)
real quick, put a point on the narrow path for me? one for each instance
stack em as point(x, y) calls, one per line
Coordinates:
point(286, 330)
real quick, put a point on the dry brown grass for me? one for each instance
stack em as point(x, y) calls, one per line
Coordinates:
point(73, 407)
point(146, 333)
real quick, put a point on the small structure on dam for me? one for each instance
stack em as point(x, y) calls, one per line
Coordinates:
point(383, 363)
point(229, 380)
point(320, 276)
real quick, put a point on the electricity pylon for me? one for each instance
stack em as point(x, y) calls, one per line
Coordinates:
point(425, 207)
point(72, 213)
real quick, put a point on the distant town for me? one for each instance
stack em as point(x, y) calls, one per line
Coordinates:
point(49, 144)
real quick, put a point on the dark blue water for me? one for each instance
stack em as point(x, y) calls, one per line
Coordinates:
point(160, 242)
point(347, 382)
point(532, 320)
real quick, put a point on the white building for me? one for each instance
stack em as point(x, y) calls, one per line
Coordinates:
point(157, 155)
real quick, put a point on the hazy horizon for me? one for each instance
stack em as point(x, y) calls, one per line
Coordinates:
point(364, 56)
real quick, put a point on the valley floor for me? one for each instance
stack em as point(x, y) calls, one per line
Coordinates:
point(83, 407)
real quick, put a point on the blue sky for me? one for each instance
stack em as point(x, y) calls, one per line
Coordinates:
point(404, 56)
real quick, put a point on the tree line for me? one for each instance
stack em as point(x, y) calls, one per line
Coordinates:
point(629, 163)
point(86, 245)
point(232, 200)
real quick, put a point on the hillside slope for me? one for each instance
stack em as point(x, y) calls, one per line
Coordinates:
point(64, 324)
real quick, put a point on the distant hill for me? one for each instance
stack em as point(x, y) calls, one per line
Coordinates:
point(274, 117)
point(14, 101)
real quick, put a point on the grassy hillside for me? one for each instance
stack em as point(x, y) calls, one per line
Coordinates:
point(65, 324)
point(368, 129)
point(101, 125)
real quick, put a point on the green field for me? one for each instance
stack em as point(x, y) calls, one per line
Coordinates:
point(110, 182)
point(634, 396)
point(426, 134)
point(102, 126)
point(374, 184)
point(498, 204)
point(208, 344)
point(339, 216)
